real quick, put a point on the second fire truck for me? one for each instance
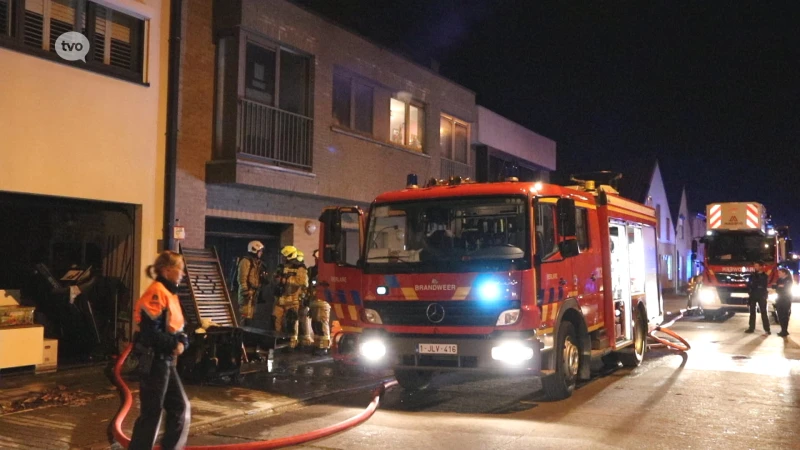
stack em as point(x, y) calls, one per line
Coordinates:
point(737, 235)
point(505, 277)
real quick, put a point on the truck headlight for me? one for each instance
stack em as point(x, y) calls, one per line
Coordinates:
point(373, 350)
point(512, 352)
point(508, 317)
point(372, 316)
point(708, 295)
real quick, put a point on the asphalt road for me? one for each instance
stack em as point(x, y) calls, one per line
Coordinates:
point(731, 390)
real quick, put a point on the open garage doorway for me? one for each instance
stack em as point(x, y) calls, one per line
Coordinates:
point(230, 238)
point(73, 260)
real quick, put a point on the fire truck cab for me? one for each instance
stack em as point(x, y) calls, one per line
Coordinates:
point(501, 277)
point(737, 236)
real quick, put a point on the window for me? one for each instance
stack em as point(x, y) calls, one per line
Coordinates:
point(278, 77)
point(405, 124)
point(669, 229)
point(5, 24)
point(658, 221)
point(669, 267)
point(342, 94)
point(546, 242)
point(681, 227)
point(352, 104)
point(581, 229)
point(454, 139)
point(116, 40)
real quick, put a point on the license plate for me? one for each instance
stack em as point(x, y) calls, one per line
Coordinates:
point(740, 295)
point(438, 349)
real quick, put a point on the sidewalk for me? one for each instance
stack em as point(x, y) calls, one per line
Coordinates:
point(73, 408)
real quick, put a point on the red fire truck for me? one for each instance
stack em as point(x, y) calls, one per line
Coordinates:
point(737, 235)
point(508, 276)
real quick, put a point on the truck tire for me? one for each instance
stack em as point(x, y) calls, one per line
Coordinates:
point(633, 355)
point(413, 380)
point(561, 384)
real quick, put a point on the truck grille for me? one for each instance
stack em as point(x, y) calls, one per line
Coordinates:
point(456, 312)
point(726, 296)
point(733, 277)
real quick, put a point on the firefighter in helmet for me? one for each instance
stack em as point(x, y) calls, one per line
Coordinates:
point(306, 338)
point(320, 313)
point(249, 276)
point(292, 281)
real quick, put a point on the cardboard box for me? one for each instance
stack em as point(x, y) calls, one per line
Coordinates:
point(49, 356)
point(21, 346)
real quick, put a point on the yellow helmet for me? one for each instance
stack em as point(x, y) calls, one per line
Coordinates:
point(300, 256)
point(289, 252)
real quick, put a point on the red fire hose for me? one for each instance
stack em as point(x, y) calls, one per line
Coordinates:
point(298, 439)
point(682, 346)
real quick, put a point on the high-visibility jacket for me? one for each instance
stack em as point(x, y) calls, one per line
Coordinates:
point(160, 318)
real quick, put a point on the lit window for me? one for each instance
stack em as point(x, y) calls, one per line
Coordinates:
point(406, 124)
point(454, 139)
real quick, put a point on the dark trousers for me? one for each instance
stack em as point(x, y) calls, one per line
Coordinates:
point(162, 389)
point(762, 305)
point(784, 310)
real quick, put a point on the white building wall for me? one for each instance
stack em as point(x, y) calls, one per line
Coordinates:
point(496, 131)
point(657, 198)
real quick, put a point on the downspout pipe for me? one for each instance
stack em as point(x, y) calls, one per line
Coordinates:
point(173, 97)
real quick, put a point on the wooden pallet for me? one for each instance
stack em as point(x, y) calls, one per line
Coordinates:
point(203, 293)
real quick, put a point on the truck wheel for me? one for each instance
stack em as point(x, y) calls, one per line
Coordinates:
point(633, 355)
point(413, 380)
point(560, 385)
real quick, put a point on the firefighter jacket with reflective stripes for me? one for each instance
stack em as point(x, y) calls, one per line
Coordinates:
point(160, 318)
point(294, 280)
point(249, 273)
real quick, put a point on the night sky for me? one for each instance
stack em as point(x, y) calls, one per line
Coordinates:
point(711, 89)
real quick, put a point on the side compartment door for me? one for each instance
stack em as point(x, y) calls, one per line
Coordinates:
point(620, 282)
point(339, 273)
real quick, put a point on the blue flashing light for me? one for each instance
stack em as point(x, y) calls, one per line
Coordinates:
point(489, 290)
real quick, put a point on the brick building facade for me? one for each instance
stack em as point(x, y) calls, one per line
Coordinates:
point(283, 112)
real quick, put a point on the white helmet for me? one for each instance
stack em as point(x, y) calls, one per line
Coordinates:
point(255, 246)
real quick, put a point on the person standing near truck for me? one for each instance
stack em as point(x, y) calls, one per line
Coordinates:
point(757, 286)
point(783, 305)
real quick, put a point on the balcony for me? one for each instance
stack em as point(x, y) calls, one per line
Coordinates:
point(274, 136)
point(452, 168)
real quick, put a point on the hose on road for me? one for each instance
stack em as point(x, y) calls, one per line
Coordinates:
point(126, 397)
point(682, 345)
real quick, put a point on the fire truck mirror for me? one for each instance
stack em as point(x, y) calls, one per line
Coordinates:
point(569, 248)
point(566, 217)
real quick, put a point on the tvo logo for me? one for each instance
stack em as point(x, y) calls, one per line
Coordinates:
point(72, 46)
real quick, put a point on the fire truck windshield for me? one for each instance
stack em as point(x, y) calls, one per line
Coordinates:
point(725, 248)
point(448, 235)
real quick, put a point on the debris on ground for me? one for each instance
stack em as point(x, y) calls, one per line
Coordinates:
point(57, 396)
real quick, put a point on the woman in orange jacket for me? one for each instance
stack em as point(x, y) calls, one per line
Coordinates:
point(161, 338)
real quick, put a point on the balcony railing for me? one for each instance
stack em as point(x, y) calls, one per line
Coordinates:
point(453, 168)
point(279, 137)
